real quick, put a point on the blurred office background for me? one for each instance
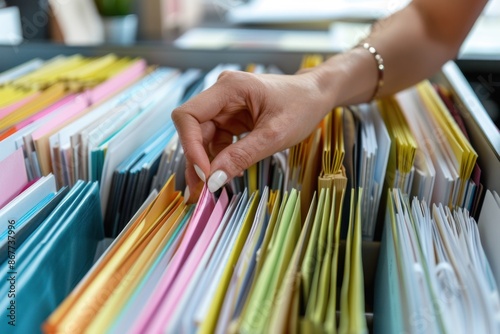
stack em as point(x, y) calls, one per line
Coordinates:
point(85, 22)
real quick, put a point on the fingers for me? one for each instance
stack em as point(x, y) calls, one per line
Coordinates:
point(191, 138)
point(220, 141)
point(234, 159)
point(195, 131)
point(194, 185)
point(228, 95)
point(195, 177)
point(190, 118)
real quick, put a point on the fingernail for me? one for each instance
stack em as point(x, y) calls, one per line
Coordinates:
point(217, 180)
point(186, 194)
point(200, 173)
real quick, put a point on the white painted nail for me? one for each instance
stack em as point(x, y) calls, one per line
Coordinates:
point(186, 194)
point(200, 173)
point(217, 180)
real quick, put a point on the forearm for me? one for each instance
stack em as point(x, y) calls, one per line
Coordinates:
point(414, 43)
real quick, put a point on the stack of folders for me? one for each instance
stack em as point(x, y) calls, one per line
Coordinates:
point(230, 264)
point(446, 159)
point(434, 276)
point(93, 222)
point(42, 260)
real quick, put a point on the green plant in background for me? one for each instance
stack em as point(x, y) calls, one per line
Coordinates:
point(114, 7)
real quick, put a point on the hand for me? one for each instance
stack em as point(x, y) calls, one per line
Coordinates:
point(277, 111)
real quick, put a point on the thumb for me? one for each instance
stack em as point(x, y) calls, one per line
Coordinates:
point(237, 157)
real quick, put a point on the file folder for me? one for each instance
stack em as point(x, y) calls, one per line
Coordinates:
point(76, 226)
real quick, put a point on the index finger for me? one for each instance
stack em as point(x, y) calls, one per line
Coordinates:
point(188, 119)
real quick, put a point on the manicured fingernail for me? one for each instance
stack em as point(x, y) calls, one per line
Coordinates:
point(216, 180)
point(200, 173)
point(186, 194)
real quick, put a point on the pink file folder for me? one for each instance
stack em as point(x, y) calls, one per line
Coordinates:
point(5, 111)
point(13, 178)
point(166, 309)
point(73, 106)
point(118, 82)
point(198, 221)
point(95, 95)
point(45, 112)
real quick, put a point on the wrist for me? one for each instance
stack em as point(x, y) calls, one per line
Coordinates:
point(347, 78)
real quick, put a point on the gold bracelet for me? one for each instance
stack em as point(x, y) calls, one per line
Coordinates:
point(380, 67)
